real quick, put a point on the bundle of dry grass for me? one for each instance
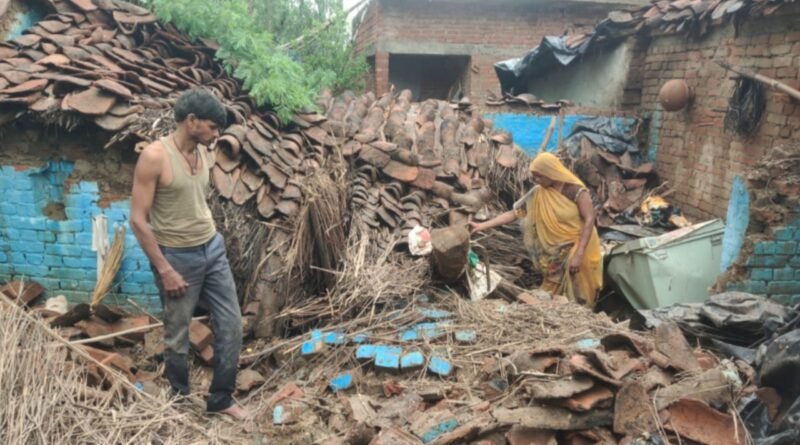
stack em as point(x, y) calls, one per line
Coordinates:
point(110, 267)
point(45, 398)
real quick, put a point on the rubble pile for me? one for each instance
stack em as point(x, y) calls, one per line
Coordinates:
point(775, 187)
point(443, 370)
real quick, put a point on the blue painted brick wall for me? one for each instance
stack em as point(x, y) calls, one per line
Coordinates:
point(773, 269)
point(58, 254)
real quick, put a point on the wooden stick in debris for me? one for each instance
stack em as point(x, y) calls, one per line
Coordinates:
point(547, 135)
point(772, 83)
point(79, 351)
point(126, 332)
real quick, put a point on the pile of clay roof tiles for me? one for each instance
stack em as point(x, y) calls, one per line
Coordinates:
point(110, 63)
point(696, 16)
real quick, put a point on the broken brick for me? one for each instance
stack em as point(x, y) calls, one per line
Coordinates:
point(200, 336)
point(519, 435)
point(289, 391)
point(207, 355)
point(24, 292)
point(248, 379)
point(138, 321)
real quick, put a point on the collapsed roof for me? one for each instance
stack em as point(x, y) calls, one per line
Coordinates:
point(669, 16)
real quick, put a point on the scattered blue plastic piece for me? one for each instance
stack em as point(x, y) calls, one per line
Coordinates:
point(409, 335)
point(435, 314)
point(442, 428)
point(424, 298)
point(341, 382)
point(316, 334)
point(366, 352)
point(334, 338)
point(388, 357)
point(467, 336)
point(278, 415)
point(440, 366)
point(412, 360)
point(311, 347)
point(430, 331)
point(139, 386)
point(587, 343)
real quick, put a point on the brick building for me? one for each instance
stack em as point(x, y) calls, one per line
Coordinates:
point(447, 48)
point(692, 150)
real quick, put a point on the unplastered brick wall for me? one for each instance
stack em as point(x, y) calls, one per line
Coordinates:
point(486, 31)
point(696, 155)
point(46, 216)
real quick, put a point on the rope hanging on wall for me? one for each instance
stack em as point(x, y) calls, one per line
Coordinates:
point(746, 107)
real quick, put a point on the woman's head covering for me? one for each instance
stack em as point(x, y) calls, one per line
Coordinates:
point(548, 165)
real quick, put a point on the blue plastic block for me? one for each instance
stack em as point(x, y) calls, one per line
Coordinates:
point(466, 336)
point(587, 343)
point(341, 382)
point(388, 358)
point(440, 429)
point(334, 338)
point(412, 360)
point(316, 335)
point(434, 314)
point(311, 347)
point(409, 335)
point(440, 366)
point(279, 415)
point(430, 331)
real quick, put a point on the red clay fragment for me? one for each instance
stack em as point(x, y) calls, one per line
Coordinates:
point(693, 419)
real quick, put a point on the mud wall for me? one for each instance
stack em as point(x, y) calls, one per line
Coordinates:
point(53, 185)
point(698, 157)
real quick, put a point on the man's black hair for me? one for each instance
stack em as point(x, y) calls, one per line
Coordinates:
point(203, 105)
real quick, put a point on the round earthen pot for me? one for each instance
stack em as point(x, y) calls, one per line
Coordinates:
point(674, 95)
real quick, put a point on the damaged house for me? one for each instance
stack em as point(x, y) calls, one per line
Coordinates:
point(445, 49)
point(724, 145)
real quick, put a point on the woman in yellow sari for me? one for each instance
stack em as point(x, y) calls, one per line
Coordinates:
point(557, 218)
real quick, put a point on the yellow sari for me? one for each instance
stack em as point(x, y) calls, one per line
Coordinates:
point(552, 226)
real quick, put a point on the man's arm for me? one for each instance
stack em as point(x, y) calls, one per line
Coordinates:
point(145, 180)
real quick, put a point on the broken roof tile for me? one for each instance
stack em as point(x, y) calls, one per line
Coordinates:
point(92, 101)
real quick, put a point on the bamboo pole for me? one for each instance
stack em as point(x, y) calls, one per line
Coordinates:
point(770, 82)
point(126, 332)
point(547, 135)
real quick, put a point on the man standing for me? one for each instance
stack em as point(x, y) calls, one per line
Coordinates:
point(174, 226)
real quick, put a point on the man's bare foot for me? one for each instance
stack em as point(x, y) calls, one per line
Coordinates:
point(235, 411)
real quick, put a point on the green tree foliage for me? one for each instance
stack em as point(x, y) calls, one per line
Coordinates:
point(284, 51)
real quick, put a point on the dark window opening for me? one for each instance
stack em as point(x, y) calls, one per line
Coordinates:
point(430, 77)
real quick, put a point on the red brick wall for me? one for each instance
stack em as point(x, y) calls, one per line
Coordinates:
point(494, 30)
point(696, 155)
